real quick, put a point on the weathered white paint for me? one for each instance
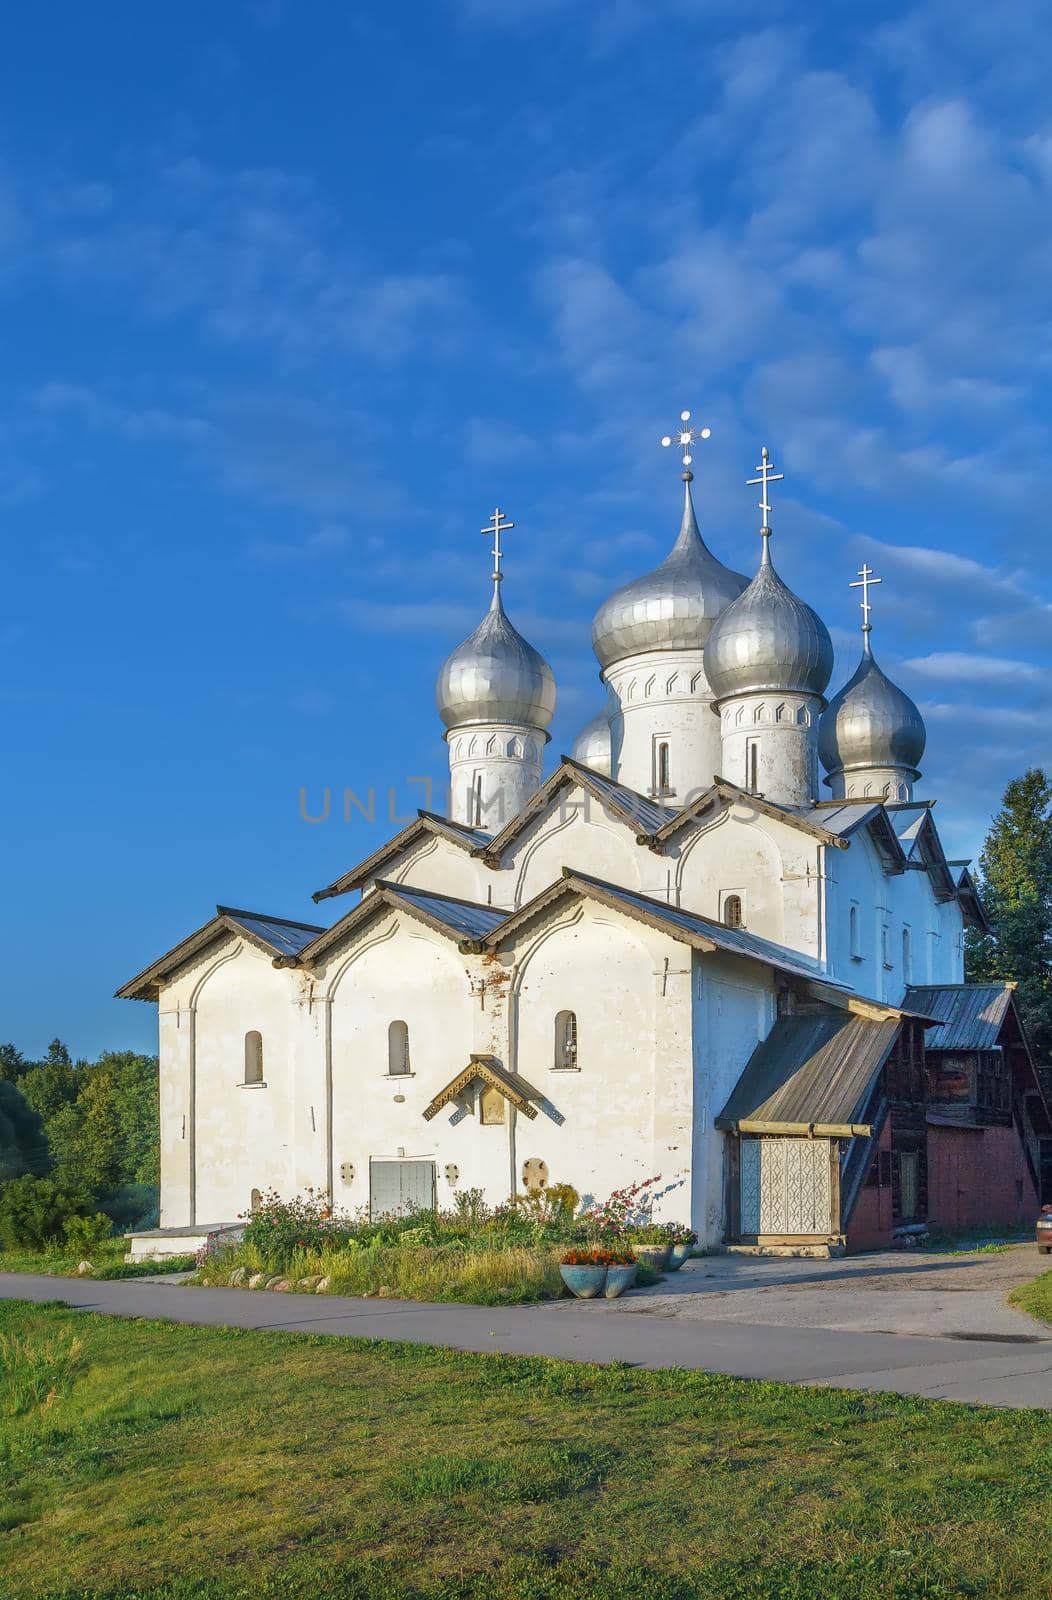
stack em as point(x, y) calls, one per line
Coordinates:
point(770, 745)
point(494, 768)
point(664, 698)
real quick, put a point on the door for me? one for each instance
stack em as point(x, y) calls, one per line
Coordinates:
point(396, 1187)
point(909, 1184)
point(785, 1186)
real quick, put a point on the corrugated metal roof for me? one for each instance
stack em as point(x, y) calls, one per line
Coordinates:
point(284, 938)
point(816, 1069)
point(463, 917)
point(736, 941)
point(649, 814)
point(970, 1014)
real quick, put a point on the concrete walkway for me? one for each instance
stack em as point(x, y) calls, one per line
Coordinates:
point(976, 1369)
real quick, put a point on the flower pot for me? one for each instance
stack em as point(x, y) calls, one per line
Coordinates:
point(654, 1255)
point(620, 1278)
point(677, 1255)
point(584, 1282)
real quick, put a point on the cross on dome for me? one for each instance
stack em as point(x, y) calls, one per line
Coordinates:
point(497, 524)
point(865, 582)
point(767, 476)
point(684, 436)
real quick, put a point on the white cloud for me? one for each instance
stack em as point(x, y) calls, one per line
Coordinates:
point(958, 666)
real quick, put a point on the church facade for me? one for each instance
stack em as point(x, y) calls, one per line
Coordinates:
point(683, 953)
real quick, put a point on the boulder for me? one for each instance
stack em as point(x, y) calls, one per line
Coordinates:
point(323, 1285)
point(238, 1277)
point(280, 1285)
point(83, 1268)
point(308, 1285)
point(258, 1280)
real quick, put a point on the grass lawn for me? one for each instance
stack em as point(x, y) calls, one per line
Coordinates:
point(141, 1460)
point(1035, 1297)
point(106, 1258)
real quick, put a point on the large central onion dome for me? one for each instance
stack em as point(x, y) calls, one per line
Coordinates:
point(671, 608)
point(871, 722)
point(496, 676)
point(768, 640)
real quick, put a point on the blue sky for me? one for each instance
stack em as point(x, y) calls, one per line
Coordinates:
point(292, 296)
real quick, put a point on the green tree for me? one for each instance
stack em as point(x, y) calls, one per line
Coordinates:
point(12, 1063)
point(23, 1145)
point(1015, 885)
point(48, 1086)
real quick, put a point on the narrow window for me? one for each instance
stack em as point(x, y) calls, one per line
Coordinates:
point(256, 1201)
point(476, 800)
point(752, 765)
point(253, 1057)
point(398, 1049)
point(732, 912)
point(856, 948)
point(662, 769)
point(566, 1039)
point(907, 956)
point(885, 945)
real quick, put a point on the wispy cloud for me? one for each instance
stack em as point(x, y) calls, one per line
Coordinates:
point(958, 666)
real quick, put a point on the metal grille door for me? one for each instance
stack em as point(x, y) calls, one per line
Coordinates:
point(785, 1186)
point(399, 1186)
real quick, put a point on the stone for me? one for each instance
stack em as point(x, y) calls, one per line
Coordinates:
point(308, 1285)
point(258, 1280)
point(384, 1292)
point(83, 1268)
point(238, 1277)
point(323, 1286)
point(280, 1285)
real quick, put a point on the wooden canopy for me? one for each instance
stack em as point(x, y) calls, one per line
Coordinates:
point(487, 1069)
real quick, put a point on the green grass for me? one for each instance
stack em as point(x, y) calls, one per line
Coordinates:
point(107, 1259)
point(487, 1276)
point(145, 1461)
point(1036, 1297)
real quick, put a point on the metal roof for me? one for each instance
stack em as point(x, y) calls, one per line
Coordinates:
point(814, 1071)
point(465, 918)
point(425, 822)
point(649, 814)
point(284, 938)
point(844, 819)
point(970, 1015)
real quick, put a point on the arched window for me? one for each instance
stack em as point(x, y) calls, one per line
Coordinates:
point(856, 949)
point(256, 1200)
point(398, 1049)
point(732, 912)
point(907, 956)
point(253, 1057)
point(662, 768)
point(566, 1039)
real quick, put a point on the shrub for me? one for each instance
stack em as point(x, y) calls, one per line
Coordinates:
point(33, 1212)
point(279, 1227)
point(83, 1234)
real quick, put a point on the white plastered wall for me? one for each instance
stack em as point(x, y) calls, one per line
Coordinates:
point(664, 697)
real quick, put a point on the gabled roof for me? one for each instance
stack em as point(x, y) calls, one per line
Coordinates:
point(970, 1015)
point(813, 1074)
point(688, 926)
point(968, 895)
point(722, 792)
point(461, 920)
point(274, 935)
point(848, 816)
point(639, 812)
point(922, 847)
point(487, 1069)
point(424, 824)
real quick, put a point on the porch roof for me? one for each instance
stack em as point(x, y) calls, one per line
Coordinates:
point(515, 1090)
point(813, 1074)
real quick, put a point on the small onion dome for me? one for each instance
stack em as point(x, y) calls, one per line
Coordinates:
point(593, 745)
point(768, 640)
point(495, 676)
point(870, 722)
point(671, 608)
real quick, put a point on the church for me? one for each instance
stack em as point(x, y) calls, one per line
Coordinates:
point(720, 944)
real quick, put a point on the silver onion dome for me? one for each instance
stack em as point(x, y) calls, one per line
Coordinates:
point(870, 722)
point(671, 608)
point(768, 640)
point(593, 747)
point(496, 676)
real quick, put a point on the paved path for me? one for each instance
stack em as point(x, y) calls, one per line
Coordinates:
point(974, 1370)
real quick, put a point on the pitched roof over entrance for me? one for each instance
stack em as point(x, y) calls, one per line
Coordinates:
point(487, 1069)
point(813, 1074)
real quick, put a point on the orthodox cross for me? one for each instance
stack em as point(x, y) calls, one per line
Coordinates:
point(767, 476)
point(865, 582)
point(685, 436)
point(497, 525)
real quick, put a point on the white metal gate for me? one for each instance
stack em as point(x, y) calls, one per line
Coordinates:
point(785, 1186)
point(399, 1186)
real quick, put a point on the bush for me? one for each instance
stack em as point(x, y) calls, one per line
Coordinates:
point(278, 1228)
point(33, 1213)
point(83, 1234)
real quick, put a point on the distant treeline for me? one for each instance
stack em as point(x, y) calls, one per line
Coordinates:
point(88, 1127)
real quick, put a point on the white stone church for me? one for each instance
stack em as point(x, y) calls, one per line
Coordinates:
point(683, 953)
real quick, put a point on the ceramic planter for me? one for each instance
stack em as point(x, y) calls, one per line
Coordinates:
point(655, 1255)
point(677, 1255)
point(585, 1282)
point(620, 1278)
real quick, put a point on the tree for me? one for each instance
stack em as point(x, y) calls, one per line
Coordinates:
point(1015, 886)
point(23, 1146)
point(12, 1063)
